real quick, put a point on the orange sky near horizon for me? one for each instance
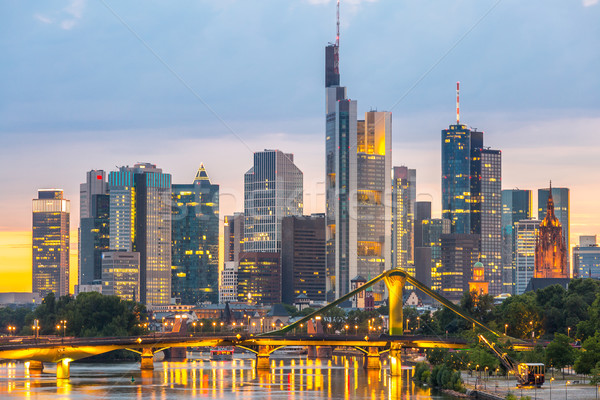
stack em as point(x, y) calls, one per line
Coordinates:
point(15, 261)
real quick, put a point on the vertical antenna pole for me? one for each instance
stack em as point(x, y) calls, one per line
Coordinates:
point(337, 37)
point(457, 103)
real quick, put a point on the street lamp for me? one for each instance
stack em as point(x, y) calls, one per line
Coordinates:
point(569, 331)
point(407, 321)
point(356, 329)
point(11, 330)
point(551, 379)
point(505, 328)
point(346, 329)
point(566, 386)
point(194, 325)
point(418, 322)
point(214, 327)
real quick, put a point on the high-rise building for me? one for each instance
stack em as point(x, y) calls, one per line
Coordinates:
point(233, 236)
point(303, 256)
point(526, 232)
point(457, 163)
point(51, 240)
point(259, 278)
point(459, 255)
point(273, 189)
point(471, 194)
point(195, 240)
point(94, 229)
point(490, 217)
point(432, 231)
point(586, 258)
point(228, 283)
point(121, 274)
point(374, 212)
point(561, 200)
point(516, 206)
point(140, 221)
point(404, 196)
point(551, 251)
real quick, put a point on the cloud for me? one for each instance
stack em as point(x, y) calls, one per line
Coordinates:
point(43, 18)
point(68, 17)
point(589, 3)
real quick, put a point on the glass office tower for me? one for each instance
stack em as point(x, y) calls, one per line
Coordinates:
point(195, 240)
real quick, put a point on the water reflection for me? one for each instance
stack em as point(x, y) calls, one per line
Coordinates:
point(339, 377)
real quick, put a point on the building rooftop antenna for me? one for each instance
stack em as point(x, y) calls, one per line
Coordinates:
point(337, 36)
point(457, 103)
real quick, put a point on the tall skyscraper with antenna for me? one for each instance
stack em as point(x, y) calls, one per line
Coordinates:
point(472, 194)
point(358, 184)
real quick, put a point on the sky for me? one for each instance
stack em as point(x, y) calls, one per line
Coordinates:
point(104, 83)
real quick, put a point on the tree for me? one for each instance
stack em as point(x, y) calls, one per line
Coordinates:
point(559, 352)
point(589, 356)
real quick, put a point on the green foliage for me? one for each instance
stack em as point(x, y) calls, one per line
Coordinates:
point(444, 377)
point(537, 355)
point(559, 352)
point(422, 372)
point(595, 374)
point(15, 317)
point(510, 396)
point(589, 356)
point(336, 317)
point(292, 310)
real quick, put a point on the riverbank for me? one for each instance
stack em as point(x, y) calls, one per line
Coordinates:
point(570, 387)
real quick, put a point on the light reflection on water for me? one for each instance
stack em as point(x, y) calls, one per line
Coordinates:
point(290, 378)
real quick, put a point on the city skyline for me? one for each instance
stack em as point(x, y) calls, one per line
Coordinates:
point(526, 114)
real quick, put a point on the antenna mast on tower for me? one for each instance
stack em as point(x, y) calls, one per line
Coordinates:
point(337, 37)
point(457, 104)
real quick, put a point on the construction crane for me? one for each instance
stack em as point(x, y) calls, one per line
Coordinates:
point(527, 374)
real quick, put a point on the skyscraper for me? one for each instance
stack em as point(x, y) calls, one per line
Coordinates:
point(490, 217)
point(516, 206)
point(551, 250)
point(195, 240)
point(273, 189)
point(259, 278)
point(50, 246)
point(561, 199)
point(121, 274)
point(526, 233)
point(94, 228)
point(140, 221)
point(404, 196)
point(233, 236)
point(471, 194)
point(303, 256)
point(432, 231)
point(459, 255)
point(374, 195)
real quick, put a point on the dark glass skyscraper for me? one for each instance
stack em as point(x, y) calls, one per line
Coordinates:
point(94, 227)
point(490, 218)
point(50, 247)
point(195, 240)
point(516, 206)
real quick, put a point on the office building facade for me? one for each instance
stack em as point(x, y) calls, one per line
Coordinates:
point(404, 194)
point(50, 243)
point(195, 240)
point(374, 195)
point(233, 234)
point(516, 206)
point(303, 258)
point(121, 274)
point(94, 226)
point(273, 189)
point(228, 283)
point(259, 278)
point(459, 254)
point(526, 232)
point(490, 218)
point(140, 221)
point(586, 258)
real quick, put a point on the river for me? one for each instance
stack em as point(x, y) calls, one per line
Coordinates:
point(291, 377)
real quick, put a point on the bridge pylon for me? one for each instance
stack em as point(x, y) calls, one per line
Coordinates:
point(63, 369)
point(395, 285)
point(34, 365)
point(147, 362)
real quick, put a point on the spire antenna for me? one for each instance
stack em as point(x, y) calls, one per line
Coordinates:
point(337, 36)
point(457, 103)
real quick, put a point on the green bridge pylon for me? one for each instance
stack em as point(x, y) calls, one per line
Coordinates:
point(395, 280)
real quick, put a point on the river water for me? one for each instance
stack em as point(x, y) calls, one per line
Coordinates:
point(291, 377)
